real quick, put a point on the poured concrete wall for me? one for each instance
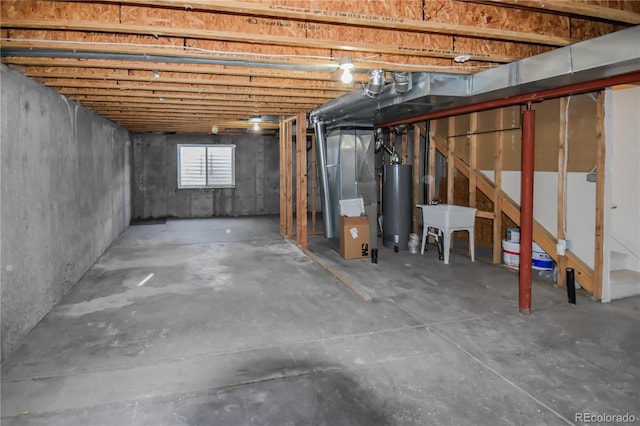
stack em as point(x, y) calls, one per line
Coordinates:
point(156, 192)
point(65, 197)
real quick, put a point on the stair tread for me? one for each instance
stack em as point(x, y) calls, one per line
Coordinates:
point(618, 254)
point(624, 275)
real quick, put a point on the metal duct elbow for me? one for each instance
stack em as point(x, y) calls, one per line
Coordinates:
point(376, 83)
point(402, 81)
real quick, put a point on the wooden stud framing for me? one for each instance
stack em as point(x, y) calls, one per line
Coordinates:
point(431, 165)
point(288, 152)
point(473, 157)
point(314, 183)
point(404, 154)
point(497, 200)
point(416, 178)
point(301, 180)
point(283, 180)
point(451, 161)
point(598, 258)
point(563, 144)
point(337, 17)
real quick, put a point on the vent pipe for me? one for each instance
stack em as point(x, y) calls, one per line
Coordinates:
point(323, 176)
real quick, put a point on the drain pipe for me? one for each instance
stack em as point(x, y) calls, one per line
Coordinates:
point(526, 208)
point(325, 196)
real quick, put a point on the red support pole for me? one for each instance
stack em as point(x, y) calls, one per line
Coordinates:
point(526, 208)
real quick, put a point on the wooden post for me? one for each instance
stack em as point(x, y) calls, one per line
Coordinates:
point(283, 174)
point(598, 257)
point(416, 177)
point(404, 154)
point(451, 161)
point(473, 158)
point(562, 174)
point(288, 149)
point(431, 165)
point(473, 163)
point(301, 180)
point(497, 201)
point(314, 183)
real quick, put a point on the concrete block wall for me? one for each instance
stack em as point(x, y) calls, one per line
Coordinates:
point(156, 192)
point(66, 192)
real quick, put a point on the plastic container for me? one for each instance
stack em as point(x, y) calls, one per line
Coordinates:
point(511, 254)
point(539, 259)
point(513, 235)
point(414, 243)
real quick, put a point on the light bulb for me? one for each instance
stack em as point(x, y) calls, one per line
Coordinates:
point(256, 127)
point(346, 77)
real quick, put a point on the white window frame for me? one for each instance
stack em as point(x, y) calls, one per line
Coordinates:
point(231, 182)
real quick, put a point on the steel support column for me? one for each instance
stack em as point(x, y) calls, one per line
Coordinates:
point(526, 208)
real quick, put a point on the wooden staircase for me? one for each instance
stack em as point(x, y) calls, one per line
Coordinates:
point(584, 275)
point(624, 282)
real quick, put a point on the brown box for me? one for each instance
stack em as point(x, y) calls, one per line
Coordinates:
point(354, 237)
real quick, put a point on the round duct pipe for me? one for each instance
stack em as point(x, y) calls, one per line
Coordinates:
point(376, 83)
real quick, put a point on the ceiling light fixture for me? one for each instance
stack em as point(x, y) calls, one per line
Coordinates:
point(156, 73)
point(256, 127)
point(346, 65)
point(462, 58)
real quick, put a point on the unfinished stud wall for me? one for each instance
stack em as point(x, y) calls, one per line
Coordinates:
point(502, 126)
point(156, 192)
point(65, 198)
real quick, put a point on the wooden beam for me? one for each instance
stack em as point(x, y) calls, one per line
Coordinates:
point(96, 86)
point(288, 152)
point(571, 8)
point(598, 257)
point(431, 166)
point(283, 180)
point(211, 69)
point(354, 287)
point(451, 161)
point(563, 145)
point(237, 37)
point(314, 183)
point(497, 201)
point(221, 98)
point(301, 180)
point(77, 73)
point(415, 197)
point(317, 14)
point(473, 156)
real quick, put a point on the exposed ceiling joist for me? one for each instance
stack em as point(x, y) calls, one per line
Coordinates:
point(352, 19)
point(570, 8)
point(146, 63)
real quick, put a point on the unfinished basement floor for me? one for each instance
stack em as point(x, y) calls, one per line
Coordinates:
point(224, 322)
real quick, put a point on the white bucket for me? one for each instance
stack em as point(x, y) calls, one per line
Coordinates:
point(511, 254)
point(539, 259)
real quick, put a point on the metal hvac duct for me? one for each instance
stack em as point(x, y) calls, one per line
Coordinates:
point(602, 57)
point(325, 195)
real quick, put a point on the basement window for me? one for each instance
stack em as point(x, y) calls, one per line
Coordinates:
point(206, 166)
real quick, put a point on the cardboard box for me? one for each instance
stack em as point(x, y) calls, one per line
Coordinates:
point(354, 237)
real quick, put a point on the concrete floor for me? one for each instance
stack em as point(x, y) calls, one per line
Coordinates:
point(223, 322)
